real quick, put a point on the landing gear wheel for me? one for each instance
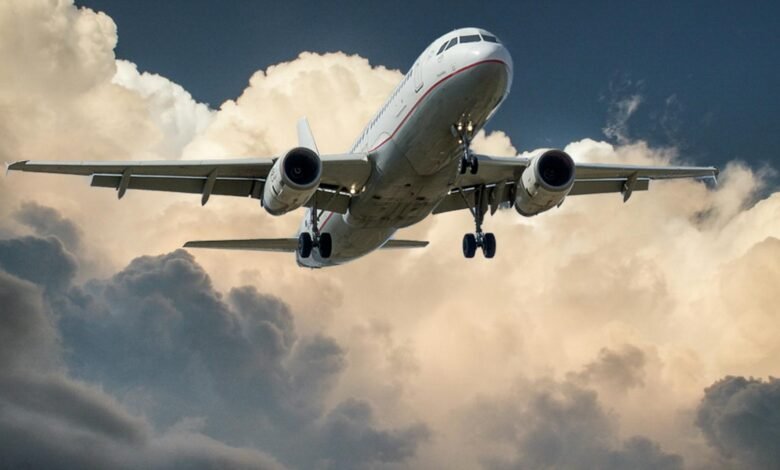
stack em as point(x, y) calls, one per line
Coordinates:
point(474, 165)
point(469, 245)
point(489, 245)
point(464, 165)
point(325, 245)
point(305, 245)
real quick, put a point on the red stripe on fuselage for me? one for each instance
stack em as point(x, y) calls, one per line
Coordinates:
point(495, 61)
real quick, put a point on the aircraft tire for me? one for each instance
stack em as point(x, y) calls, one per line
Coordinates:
point(489, 245)
point(326, 245)
point(304, 245)
point(469, 245)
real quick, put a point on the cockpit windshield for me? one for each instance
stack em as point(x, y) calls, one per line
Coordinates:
point(465, 39)
point(470, 38)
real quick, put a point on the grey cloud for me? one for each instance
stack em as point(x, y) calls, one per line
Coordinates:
point(27, 337)
point(74, 404)
point(46, 221)
point(159, 336)
point(50, 420)
point(561, 425)
point(43, 261)
point(351, 438)
point(621, 369)
point(740, 417)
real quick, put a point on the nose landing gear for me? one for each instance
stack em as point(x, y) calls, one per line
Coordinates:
point(464, 133)
point(322, 241)
point(479, 239)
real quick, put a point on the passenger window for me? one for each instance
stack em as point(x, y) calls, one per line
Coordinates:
point(441, 49)
point(470, 38)
point(489, 38)
point(452, 43)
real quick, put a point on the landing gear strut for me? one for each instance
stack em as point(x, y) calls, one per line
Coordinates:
point(464, 133)
point(479, 239)
point(321, 241)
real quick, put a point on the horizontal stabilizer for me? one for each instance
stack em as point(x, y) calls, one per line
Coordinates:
point(285, 245)
point(258, 244)
point(405, 244)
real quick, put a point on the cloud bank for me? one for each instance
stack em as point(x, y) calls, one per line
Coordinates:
point(603, 335)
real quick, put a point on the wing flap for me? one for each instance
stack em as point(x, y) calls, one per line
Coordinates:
point(603, 186)
point(608, 170)
point(222, 186)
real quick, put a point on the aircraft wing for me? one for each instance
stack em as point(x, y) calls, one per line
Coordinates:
point(499, 175)
point(239, 177)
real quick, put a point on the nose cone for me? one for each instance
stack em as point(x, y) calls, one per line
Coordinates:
point(484, 51)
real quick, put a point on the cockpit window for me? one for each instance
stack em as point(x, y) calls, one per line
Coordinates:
point(452, 42)
point(441, 49)
point(470, 38)
point(489, 38)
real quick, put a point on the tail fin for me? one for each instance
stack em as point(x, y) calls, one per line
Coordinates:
point(305, 137)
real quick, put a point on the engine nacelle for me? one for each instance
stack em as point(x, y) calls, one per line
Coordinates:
point(292, 181)
point(545, 183)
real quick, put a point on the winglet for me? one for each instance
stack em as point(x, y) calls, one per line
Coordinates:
point(305, 137)
point(15, 166)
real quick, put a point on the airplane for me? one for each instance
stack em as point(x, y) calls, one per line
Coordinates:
point(413, 159)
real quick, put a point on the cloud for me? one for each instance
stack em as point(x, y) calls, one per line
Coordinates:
point(622, 368)
point(174, 112)
point(547, 424)
point(46, 221)
point(50, 420)
point(25, 257)
point(159, 336)
point(620, 112)
point(740, 417)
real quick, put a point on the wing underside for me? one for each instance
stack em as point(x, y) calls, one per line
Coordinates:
point(240, 177)
point(497, 179)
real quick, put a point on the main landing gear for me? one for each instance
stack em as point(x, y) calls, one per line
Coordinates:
point(479, 239)
point(321, 241)
point(465, 132)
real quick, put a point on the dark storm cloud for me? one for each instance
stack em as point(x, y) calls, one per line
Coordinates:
point(741, 418)
point(46, 221)
point(351, 439)
point(621, 369)
point(27, 337)
point(562, 425)
point(162, 342)
point(49, 420)
point(43, 261)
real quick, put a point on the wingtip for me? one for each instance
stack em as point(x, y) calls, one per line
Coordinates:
point(15, 166)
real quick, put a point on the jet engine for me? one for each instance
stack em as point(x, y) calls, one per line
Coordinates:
point(292, 181)
point(545, 183)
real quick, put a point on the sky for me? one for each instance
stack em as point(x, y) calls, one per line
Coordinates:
point(603, 334)
point(707, 72)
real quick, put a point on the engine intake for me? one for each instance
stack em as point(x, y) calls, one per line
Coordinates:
point(545, 183)
point(292, 181)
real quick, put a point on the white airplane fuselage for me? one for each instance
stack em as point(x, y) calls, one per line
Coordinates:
point(414, 154)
